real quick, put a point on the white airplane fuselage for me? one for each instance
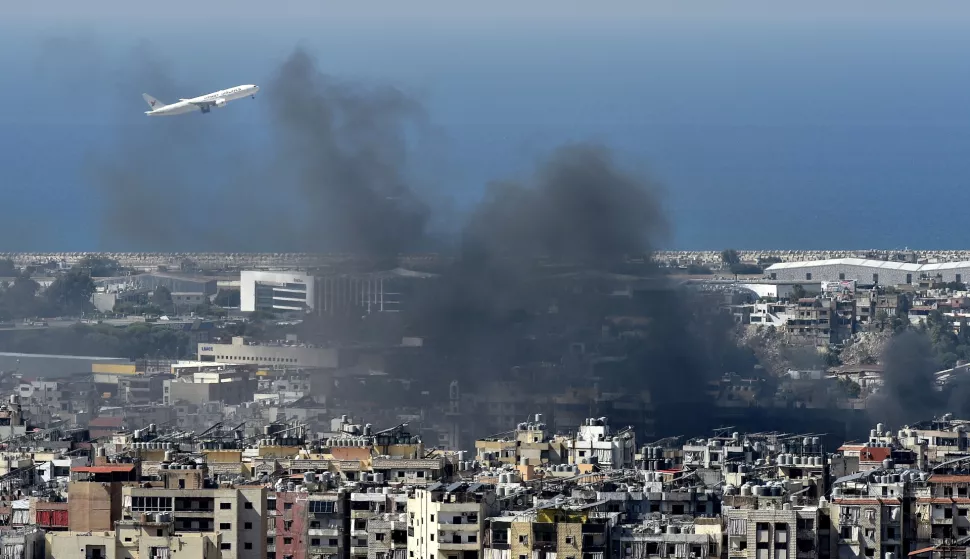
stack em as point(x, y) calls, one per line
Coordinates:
point(202, 103)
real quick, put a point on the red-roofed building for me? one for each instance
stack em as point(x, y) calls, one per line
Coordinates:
point(94, 495)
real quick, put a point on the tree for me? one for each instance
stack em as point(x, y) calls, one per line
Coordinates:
point(698, 270)
point(7, 268)
point(99, 266)
point(741, 268)
point(162, 298)
point(850, 388)
point(797, 292)
point(730, 256)
point(70, 294)
point(19, 299)
point(227, 298)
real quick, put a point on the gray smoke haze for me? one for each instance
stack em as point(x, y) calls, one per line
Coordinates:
point(346, 146)
point(909, 391)
point(538, 260)
point(581, 209)
point(336, 175)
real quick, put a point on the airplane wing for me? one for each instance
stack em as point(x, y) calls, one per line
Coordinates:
point(200, 104)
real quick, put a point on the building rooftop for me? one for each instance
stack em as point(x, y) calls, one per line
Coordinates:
point(883, 264)
point(109, 469)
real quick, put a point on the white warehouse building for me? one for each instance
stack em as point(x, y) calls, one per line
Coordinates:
point(276, 291)
point(869, 272)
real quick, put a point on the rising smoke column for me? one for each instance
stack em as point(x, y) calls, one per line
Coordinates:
point(908, 393)
point(340, 151)
point(334, 177)
point(347, 149)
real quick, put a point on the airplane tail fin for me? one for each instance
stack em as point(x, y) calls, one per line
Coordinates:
point(152, 102)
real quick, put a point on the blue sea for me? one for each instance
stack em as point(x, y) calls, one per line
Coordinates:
point(789, 136)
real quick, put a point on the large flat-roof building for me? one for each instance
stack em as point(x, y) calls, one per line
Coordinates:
point(869, 272)
point(276, 291)
point(239, 351)
point(331, 293)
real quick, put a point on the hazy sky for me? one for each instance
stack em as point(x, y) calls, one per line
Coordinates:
point(452, 12)
point(770, 123)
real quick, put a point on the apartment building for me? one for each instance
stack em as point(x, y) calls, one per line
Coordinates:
point(549, 532)
point(328, 525)
point(448, 522)
point(772, 533)
point(238, 514)
point(148, 540)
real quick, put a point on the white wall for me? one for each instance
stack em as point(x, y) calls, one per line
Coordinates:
point(248, 280)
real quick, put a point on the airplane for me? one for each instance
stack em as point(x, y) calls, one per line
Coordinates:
point(202, 103)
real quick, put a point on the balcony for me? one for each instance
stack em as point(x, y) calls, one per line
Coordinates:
point(458, 527)
point(447, 546)
point(324, 532)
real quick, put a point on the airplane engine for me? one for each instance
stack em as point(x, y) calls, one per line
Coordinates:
point(220, 103)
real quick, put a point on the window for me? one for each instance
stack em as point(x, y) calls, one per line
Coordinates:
point(225, 506)
point(248, 526)
point(287, 541)
point(958, 278)
point(318, 507)
point(909, 278)
point(248, 545)
point(875, 279)
point(569, 540)
point(270, 541)
point(225, 526)
point(249, 505)
point(315, 542)
point(808, 276)
point(333, 542)
point(472, 538)
point(127, 539)
point(841, 275)
point(226, 546)
point(523, 538)
point(432, 518)
point(379, 536)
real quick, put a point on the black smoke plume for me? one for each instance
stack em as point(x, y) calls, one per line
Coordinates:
point(909, 390)
point(335, 178)
point(541, 266)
